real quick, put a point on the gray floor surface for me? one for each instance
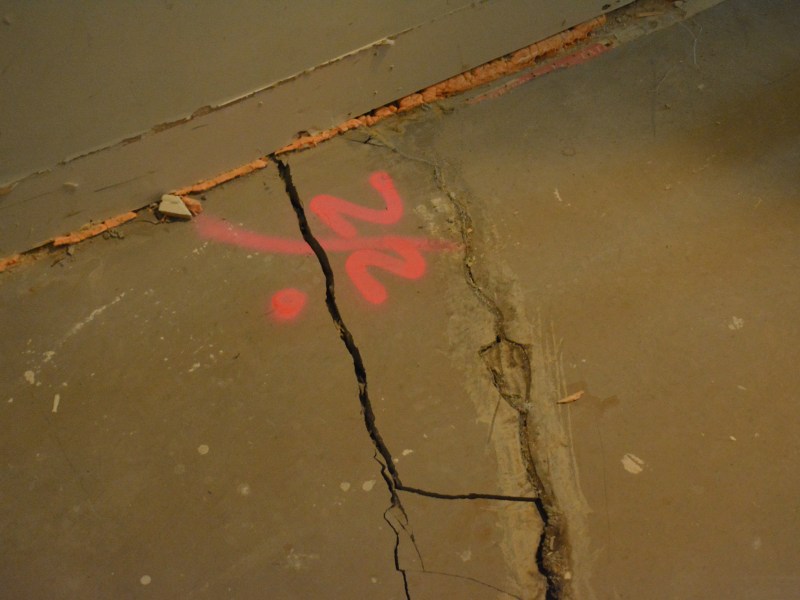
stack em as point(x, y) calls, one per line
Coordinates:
point(185, 417)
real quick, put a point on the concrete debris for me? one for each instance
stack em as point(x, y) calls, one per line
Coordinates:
point(173, 206)
point(93, 230)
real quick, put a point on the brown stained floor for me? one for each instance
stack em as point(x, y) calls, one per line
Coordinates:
point(629, 224)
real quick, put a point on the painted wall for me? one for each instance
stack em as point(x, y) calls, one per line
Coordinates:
point(90, 92)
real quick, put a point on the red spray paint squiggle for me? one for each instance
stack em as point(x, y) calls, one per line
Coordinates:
point(331, 210)
point(398, 255)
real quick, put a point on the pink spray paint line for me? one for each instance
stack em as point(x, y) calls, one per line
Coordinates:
point(217, 230)
point(571, 60)
point(399, 255)
point(332, 210)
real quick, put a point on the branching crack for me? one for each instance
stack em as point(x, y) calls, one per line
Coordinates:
point(509, 365)
point(395, 516)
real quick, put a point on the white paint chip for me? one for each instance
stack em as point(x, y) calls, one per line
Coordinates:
point(368, 485)
point(736, 323)
point(30, 377)
point(56, 400)
point(344, 486)
point(203, 449)
point(466, 555)
point(195, 366)
point(632, 463)
point(145, 579)
point(733, 439)
point(243, 489)
point(407, 451)
point(48, 356)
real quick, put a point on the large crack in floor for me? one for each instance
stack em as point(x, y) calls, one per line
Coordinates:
point(509, 366)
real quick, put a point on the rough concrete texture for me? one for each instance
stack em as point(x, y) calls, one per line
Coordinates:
point(342, 379)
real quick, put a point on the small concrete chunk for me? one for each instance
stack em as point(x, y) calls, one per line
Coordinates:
point(173, 206)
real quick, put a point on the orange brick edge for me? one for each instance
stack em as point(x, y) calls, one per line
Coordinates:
point(480, 75)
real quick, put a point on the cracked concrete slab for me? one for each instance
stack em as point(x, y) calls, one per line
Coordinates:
point(435, 407)
point(467, 549)
point(636, 220)
point(343, 378)
point(199, 448)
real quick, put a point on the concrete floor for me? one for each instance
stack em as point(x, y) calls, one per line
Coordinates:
point(184, 415)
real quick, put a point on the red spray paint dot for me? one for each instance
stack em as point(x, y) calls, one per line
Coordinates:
point(288, 303)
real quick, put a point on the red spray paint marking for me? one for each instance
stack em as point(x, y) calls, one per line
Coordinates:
point(410, 265)
point(570, 60)
point(288, 303)
point(399, 255)
point(331, 210)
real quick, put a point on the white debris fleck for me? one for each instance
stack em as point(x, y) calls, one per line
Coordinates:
point(733, 439)
point(97, 311)
point(48, 356)
point(299, 560)
point(344, 486)
point(195, 366)
point(736, 323)
point(145, 579)
point(632, 463)
point(243, 489)
point(368, 485)
point(466, 555)
point(407, 451)
point(56, 400)
point(757, 543)
point(30, 377)
point(203, 449)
